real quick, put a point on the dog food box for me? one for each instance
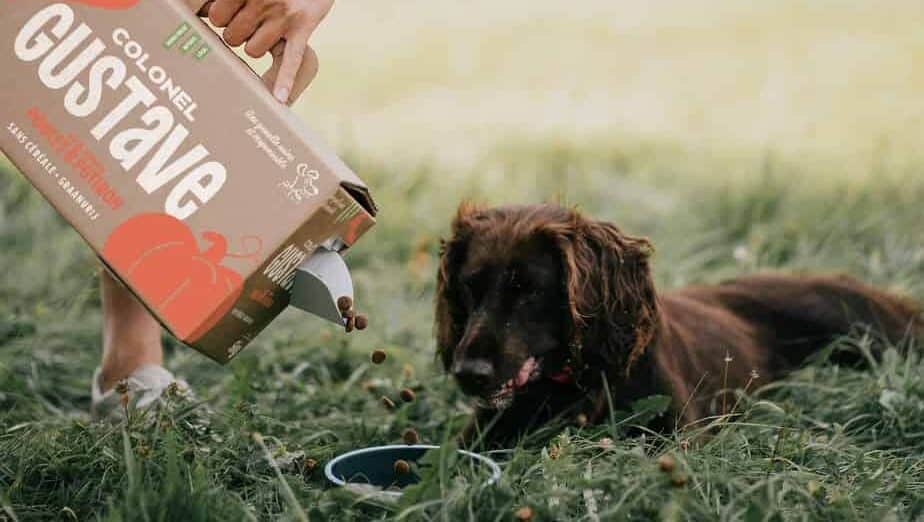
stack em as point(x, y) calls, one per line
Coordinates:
point(196, 188)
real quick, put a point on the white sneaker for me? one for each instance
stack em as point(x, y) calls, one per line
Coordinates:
point(144, 387)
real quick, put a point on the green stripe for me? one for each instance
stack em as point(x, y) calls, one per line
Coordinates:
point(173, 38)
point(193, 40)
point(202, 52)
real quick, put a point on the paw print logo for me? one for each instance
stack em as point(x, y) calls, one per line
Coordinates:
point(302, 187)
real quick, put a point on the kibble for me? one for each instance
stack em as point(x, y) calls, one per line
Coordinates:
point(388, 403)
point(344, 303)
point(408, 395)
point(361, 322)
point(350, 324)
point(378, 356)
point(667, 463)
point(678, 480)
point(402, 467)
point(524, 514)
point(348, 314)
point(581, 420)
point(410, 436)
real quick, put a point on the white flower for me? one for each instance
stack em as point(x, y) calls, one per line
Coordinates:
point(741, 253)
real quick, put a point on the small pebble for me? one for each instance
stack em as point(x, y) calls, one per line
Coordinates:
point(361, 322)
point(388, 403)
point(410, 436)
point(667, 463)
point(408, 395)
point(524, 514)
point(402, 467)
point(344, 303)
point(378, 356)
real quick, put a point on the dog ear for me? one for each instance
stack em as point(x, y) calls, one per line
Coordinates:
point(610, 291)
point(449, 318)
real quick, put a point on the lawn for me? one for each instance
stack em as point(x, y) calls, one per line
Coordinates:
point(738, 139)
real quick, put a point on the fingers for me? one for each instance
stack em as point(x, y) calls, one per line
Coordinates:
point(245, 24)
point(267, 35)
point(281, 27)
point(204, 10)
point(222, 12)
point(298, 65)
point(291, 61)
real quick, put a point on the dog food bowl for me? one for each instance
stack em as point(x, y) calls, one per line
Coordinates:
point(371, 471)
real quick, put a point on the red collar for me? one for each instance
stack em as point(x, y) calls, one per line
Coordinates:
point(563, 376)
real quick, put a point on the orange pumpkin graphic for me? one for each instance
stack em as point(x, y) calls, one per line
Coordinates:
point(158, 255)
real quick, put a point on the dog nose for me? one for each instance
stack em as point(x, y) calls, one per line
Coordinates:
point(473, 374)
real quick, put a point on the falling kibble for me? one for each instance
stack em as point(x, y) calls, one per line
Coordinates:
point(361, 322)
point(678, 480)
point(388, 403)
point(581, 420)
point(410, 436)
point(309, 464)
point(408, 395)
point(667, 463)
point(402, 467)
point(378, 356)
point(350, 323)
point(344, 303)
point(524, 514)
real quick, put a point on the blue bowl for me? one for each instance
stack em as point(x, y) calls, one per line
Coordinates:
point(372, 470)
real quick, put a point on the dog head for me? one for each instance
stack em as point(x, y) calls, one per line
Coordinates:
point(526, 292)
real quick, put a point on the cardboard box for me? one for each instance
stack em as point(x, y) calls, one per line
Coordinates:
point(198, 190)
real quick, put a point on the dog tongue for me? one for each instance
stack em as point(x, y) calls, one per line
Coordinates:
point(525, 371)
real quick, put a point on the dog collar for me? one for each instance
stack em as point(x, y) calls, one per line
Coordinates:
point(563, 376)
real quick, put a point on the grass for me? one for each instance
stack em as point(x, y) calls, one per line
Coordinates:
point(828, 443)
point(738, 137)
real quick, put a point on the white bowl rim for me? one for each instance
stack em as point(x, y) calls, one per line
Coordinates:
point(329, 468)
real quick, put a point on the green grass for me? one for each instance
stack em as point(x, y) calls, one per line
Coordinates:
point(828, 443)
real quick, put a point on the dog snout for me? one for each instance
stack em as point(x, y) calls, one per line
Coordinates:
point(473, 375)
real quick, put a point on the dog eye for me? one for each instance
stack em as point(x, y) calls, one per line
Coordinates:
point(518, 281)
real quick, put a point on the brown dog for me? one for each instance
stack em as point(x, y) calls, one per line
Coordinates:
point(538, 307)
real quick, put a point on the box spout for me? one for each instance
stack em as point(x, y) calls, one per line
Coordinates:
point(319, 281)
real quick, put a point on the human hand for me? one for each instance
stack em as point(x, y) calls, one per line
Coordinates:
point(281, 27)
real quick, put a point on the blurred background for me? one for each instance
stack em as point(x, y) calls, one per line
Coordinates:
point(832, 82)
